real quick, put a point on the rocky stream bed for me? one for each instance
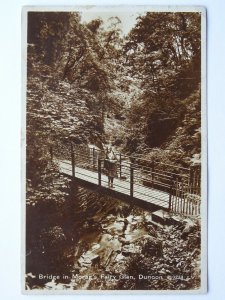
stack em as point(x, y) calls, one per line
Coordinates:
point(108, 244)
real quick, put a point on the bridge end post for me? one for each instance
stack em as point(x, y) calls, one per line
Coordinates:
point(99, 172)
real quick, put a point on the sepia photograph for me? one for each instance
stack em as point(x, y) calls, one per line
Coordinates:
point(115, 150)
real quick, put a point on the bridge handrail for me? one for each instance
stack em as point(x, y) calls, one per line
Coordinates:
point(177, 185)
point(143, 159)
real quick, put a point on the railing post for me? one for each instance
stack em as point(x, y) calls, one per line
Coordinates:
point(131, 180)
point(120, 165)
point(153, 170)
point(198, 187)
point(99, 172)
point(72, 160)
point(191, 181)
point(93, 158)
point(170, 195)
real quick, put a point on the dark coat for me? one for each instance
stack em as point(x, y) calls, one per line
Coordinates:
point(110, 164)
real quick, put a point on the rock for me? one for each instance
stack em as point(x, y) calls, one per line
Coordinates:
point(148, 219)
point(30, 275)
point(109, 247)
point(164, 218)
point(96, 260)
point(188, 228)
point(123, 240)
point(152, 230)
point(30, 280)
point(88, 259)
point(51, 285)
point(63, 286)
point(120, 257)
point(176, 220)
point(117, 227)
point(130, 249)
point(76, 267)
point(160, 216)
point(95, 246)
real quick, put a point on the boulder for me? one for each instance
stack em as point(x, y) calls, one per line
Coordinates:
point(160, 216)
point(130, 249)
point(88, 259)
point(189, 226)
point(164, 218)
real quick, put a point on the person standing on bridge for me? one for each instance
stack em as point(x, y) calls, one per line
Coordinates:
point(110, 166)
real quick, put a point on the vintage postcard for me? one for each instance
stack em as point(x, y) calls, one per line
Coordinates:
point(114, 150)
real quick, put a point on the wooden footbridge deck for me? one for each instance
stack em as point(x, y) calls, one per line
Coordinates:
point(149, 184)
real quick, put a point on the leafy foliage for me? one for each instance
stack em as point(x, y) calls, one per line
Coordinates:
point(178, 264)
point(164, 49)
point(67, 85)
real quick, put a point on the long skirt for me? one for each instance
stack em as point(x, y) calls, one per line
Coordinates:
point(110, 167)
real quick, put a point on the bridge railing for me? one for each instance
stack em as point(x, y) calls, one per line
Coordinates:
point(139, 177)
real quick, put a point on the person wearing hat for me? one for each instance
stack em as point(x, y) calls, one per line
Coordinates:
point(110, 166)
